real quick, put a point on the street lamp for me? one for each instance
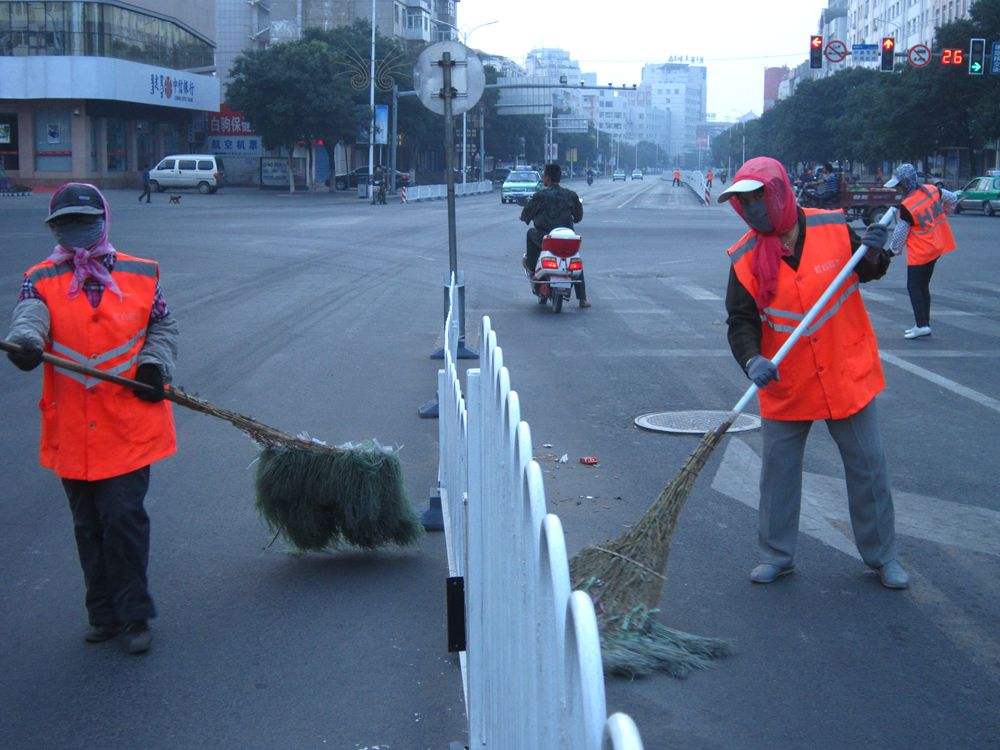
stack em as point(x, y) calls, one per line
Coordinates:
point(465, 41)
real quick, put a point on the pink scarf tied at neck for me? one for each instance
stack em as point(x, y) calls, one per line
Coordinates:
point(87, 260)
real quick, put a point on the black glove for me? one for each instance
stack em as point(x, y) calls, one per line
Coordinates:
point(28, 358)
point(149, 374)
point(875, 237)
point(761, 370)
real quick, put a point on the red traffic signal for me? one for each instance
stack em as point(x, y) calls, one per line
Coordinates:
point(815, 51)
point(888, 53)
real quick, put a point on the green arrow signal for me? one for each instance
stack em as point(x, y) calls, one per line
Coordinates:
point(975, 67)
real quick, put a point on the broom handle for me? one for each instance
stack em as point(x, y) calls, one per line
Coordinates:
point(259, 431)
point(810, 316)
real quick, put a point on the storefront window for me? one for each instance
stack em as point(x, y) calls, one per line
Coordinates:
point(95, 140)
point(8, 141)
point(99, 29)
point(53, 139)
point(117, 148)
point(144, 144)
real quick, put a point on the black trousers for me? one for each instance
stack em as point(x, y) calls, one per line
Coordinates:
point(918, 284)
point(145, 192)
point(533, 248)
point(677, 182)
point(112, 538)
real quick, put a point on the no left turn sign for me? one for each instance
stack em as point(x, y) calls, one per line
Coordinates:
point(836, 51)
point(918, 55)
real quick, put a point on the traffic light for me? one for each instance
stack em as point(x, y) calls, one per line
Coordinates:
point(888, 54)
point(977, 57)
point(816, 51)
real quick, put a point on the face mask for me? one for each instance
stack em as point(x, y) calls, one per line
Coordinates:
point(756, 216)
point(82, 234)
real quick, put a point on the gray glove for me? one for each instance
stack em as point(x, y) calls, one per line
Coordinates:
point(761, 370)
point(876, 237)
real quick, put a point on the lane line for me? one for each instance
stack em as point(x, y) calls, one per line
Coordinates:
point(667, 353)
point(940, 380)
point(636, 195)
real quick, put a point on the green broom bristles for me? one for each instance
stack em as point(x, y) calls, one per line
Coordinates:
point(322, 499)
point(623, 576)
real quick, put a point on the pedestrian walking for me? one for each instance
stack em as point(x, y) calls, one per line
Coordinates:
point(677, 177)
point(780, 268)
point(145, 186)
point(925, 233)
point(92, 304)
point(708, 178)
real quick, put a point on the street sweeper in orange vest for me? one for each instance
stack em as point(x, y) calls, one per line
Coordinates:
point(89, 303)
point(779, 269)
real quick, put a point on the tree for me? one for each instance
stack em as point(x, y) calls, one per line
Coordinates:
point(285, 91)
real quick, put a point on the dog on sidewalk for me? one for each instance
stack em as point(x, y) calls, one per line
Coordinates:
point(175, 199)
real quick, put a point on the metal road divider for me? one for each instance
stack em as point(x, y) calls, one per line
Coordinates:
point(696, 182)
point(435, 192)
point(531, 668)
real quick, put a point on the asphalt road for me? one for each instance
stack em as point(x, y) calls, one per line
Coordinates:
point(318, 315)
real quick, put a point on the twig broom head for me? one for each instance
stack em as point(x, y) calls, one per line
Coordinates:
point(325, 497)
point(625, 578)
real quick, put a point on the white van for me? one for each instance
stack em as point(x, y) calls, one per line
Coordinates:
point(202, 171)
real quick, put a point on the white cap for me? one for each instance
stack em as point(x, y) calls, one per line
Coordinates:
point(891, 182)
point(740, 186)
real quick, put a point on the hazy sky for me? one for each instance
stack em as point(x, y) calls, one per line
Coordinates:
point(613, 38)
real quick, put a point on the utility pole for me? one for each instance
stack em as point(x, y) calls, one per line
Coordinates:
point(371, 107)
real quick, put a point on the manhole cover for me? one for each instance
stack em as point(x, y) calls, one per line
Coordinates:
point(694, 422)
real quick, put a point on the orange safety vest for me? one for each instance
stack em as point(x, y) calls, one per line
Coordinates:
point(677, 174)
point(833, 371)
point(92, 429)
point(930, 236)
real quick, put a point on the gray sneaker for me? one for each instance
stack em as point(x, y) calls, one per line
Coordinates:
point(893, 576)
point(136, 637)
point(768, 573)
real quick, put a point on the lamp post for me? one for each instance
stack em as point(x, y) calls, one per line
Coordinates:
point(371, 107)
point(465, 41)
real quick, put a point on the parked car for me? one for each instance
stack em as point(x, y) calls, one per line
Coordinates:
point(981, 194)
point(202, 171)
point(637, 174)
point(619, 175)
point(519, 186)
point(498, 175)
point(351, 179)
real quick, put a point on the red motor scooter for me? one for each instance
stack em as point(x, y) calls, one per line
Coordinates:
point(558, 269)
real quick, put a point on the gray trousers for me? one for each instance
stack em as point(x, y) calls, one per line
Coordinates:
point(868, 493)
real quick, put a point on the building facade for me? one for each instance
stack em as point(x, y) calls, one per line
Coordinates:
point(249, 24)
point(99, 91)
point(773, 78)
point(681, 88)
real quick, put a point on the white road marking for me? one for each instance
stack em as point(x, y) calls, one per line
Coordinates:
point(669, 353)
point(635, 195)
point(825, 513)
point(825, 516)
point(951, 385)
point(694, 291)
point(876, 296)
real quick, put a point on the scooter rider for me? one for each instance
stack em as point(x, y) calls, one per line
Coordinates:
point(553, 206)
point(590, 175)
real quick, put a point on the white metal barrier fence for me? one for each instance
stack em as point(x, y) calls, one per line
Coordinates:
point(434, 192)
point(696, 181)
point(532, 668)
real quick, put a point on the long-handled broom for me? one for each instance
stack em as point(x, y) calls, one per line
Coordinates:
point(316, 495)
point(625, 576)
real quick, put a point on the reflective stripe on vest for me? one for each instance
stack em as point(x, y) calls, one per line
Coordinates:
point(930, 235)
point(92, 429)
point(834, 370)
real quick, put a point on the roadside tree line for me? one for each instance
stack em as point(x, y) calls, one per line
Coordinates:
point(864, 115)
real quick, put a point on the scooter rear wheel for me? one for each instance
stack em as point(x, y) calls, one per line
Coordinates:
point(557, 301)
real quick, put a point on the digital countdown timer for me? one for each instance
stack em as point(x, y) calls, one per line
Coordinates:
point(953, 57)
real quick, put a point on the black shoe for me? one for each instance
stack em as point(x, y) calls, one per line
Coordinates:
point(136, 637)
point(102, 633)
point(584, 303)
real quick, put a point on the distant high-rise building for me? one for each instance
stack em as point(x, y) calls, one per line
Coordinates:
point(680, 88)
point(772, 81)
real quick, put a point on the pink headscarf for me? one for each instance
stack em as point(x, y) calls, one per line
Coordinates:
point(783, 213)
point(86, 260)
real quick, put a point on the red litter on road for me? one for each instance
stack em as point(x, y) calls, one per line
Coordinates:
point(589, 461)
